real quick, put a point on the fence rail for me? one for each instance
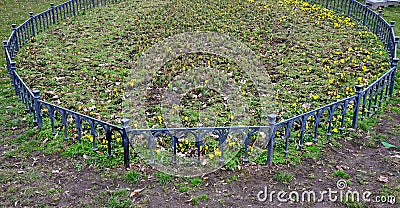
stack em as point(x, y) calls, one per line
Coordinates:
point(364, 103)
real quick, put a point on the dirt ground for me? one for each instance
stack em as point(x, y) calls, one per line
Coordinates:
point(42, 180)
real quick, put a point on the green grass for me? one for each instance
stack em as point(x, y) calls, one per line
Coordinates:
point(297, 62)
point(163, 178)
point(133, 176)
point(283, 177)
point(119, 199)
point(341, 174)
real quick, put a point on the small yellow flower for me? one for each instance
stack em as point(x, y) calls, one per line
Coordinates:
point(231, 117)
point(335, 130)
point(218, 153)
point(211, 156)
point(364, 68)
point(186, 118)
point(315, 97)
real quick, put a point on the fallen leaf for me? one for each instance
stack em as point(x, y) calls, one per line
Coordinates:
point(136, 192)
point(309, 143)
point(383, 179)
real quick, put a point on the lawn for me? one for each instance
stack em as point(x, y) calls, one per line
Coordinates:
point(87, 63)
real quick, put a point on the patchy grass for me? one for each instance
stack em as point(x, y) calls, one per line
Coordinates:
point(101, 47)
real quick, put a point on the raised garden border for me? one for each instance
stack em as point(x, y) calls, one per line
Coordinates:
point(366, 101)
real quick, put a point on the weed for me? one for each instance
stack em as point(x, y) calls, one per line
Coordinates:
point(283, 177)
point(194, 182)
point(163, 178)
point(133, 176)
point(341, 174)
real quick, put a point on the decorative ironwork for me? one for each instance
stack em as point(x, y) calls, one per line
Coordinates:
point(364, 103)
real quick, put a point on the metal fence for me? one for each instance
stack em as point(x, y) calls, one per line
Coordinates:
point(364, 103)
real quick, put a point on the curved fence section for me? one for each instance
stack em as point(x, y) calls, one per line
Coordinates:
point(334, 117)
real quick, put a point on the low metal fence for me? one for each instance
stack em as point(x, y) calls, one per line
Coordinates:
point(364, 103)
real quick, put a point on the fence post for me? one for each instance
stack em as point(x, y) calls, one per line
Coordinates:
point(14, 27)
point(125, 129)
point(378, 24)
point(13, 68)
point(395, 61)
point(396, 45)
point(357, 104)
point(32, 25)
point(52, 12)
point(271, 124)
point(5, 44)
point(73, 7)
point(365, 14)
point(38, 114)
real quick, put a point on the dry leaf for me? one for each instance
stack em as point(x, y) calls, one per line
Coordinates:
point(136, 192)
point(383, 179)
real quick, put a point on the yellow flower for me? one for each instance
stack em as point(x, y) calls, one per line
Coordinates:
point(159, 119)
point(315, 97)
point(211, 156)
point(231, 117)
point(186, 118)
point(118, 139)
point(335, 130)
point(218, 153)
point(364, 68)
point(337, 96)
